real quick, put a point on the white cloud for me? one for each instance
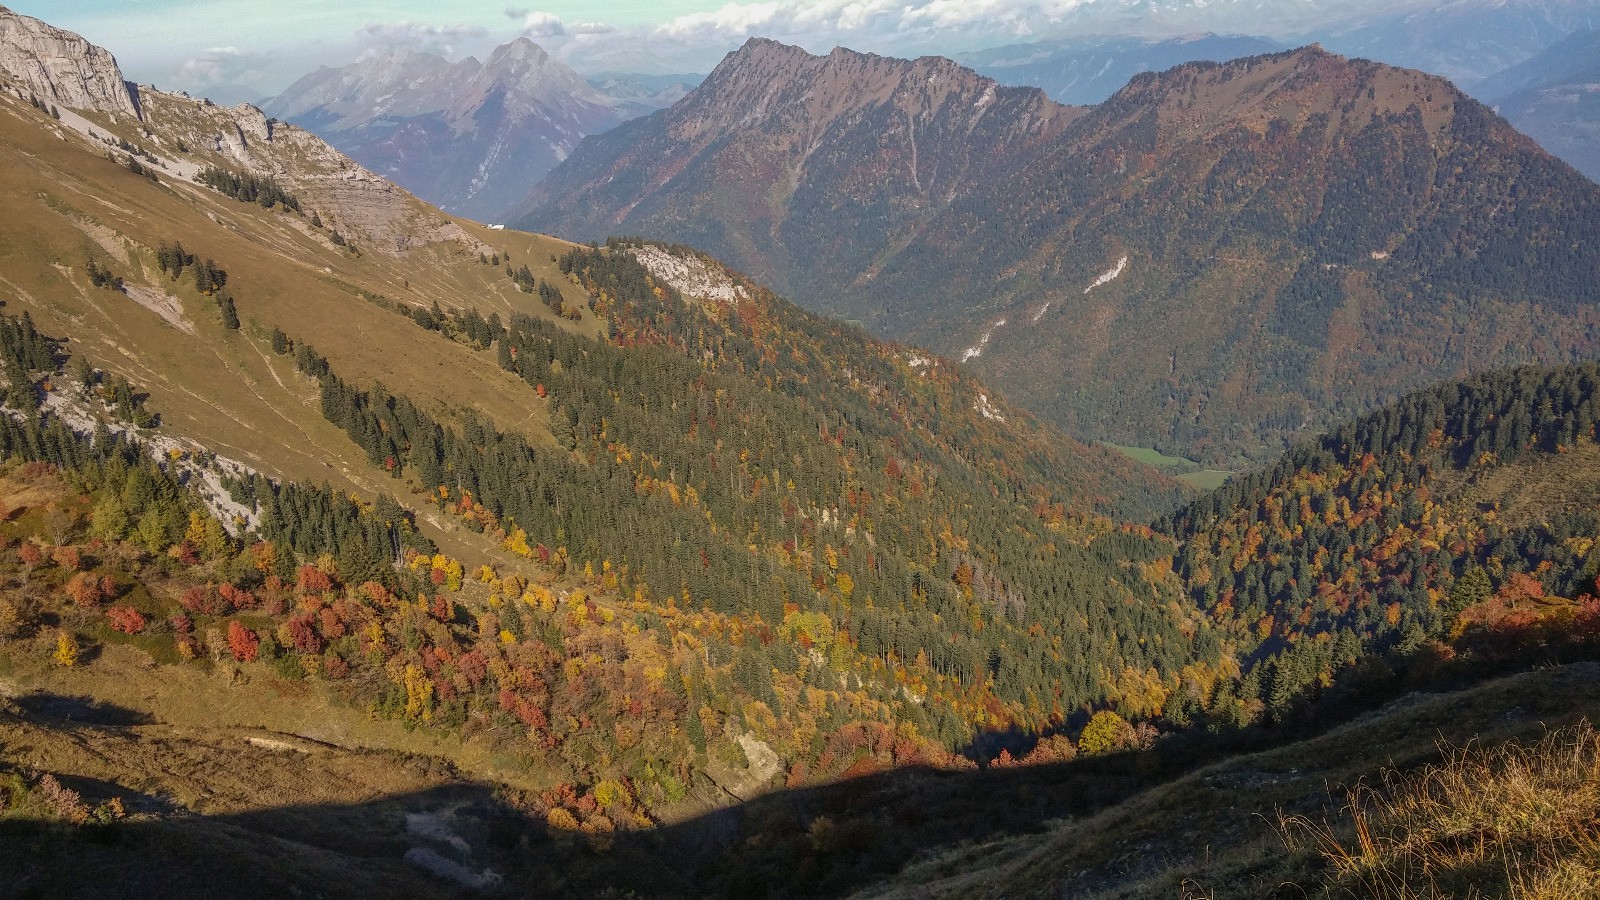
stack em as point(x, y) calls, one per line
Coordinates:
point(440, 39)
point(697, 41)
point(890, 21)
point(538, 24)
point(542, 24)
point(226, 74)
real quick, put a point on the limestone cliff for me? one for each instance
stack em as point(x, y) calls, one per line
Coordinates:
point(184, 135)
point(63, 69)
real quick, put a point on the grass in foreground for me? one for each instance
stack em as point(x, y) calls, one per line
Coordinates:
point(1517, 821)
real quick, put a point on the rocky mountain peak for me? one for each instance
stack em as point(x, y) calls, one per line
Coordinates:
point(400, 83)
point(465, 135)
point(62, 68)
point(1286, 88)
point(520, 49)
point(524, 70)
point(767, 78)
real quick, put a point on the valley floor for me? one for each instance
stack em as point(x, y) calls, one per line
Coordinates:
point(255, 793)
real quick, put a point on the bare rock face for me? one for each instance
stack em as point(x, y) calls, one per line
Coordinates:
point(751, 780)
point(359, 204)
point(63, 68)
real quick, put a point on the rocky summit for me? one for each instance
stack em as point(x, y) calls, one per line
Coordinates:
point(62, 68)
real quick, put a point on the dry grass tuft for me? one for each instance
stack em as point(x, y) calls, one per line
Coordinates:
point(1512, 821)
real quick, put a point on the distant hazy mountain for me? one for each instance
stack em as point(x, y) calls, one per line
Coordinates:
point(1215, 258)
point(1088, 70)
point(1463, 40)
point(640, 95)
point(1555, 98)
point(465, 135)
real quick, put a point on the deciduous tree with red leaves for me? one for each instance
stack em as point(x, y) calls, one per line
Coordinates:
point(313, 580)
point(242, 641)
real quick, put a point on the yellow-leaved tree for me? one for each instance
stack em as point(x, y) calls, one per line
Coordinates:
point(1105, 732)
point(66, 649)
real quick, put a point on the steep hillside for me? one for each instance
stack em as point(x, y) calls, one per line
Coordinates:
point(1553, 98)
point(75, 199)
point(1278, 822)
point(87, 703)
point(338, 536)
point(1214, 259)
point(1467, 509)
point(1376, 581)
point(800, 169)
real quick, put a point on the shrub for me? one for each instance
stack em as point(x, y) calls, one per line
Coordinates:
point(126, 619)
point(1106, 732)
point(66, 650)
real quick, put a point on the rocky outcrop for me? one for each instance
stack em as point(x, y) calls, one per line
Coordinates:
point(363, 207)
point(61, 68)
point(751, 780)
point(695, 277)
point(188, 135)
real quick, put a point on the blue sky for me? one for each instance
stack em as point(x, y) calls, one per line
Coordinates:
point(247, 49)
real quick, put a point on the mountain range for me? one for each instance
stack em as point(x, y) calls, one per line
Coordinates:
point(472, 137)
point(351, 548)
point(1464, 40)
point(1553, 98)
point(1213, 259)
point(1545, 96)
point(469, 134)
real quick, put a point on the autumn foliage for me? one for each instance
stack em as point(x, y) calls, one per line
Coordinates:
point(242, 642)
point(126, 619)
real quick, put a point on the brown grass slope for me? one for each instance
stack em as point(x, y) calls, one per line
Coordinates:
point(68, 203)
point(1222, 831)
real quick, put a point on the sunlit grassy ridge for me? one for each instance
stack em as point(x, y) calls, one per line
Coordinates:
point(1518, 820)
